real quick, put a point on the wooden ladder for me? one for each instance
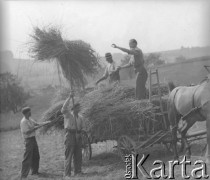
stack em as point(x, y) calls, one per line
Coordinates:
point(158, 95)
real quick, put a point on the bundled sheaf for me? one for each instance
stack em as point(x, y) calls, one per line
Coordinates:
point(76, 58)
point(109, 113)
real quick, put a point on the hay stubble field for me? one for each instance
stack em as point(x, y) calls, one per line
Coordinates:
point(105, 164)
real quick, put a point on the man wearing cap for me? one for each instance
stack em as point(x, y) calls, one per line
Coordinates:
point(111, 70)
point(31, 155)
point(73, 125)
point(137, 61)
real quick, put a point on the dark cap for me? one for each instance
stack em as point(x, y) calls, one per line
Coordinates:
point(108, 56)
point(77, 105)
point(26, 110)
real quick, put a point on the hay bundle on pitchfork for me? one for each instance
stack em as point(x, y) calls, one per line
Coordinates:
point(76, 58)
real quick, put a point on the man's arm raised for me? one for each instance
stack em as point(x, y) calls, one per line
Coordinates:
point(66, 104)
point(129, 51)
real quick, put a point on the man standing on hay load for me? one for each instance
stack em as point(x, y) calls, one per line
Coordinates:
point(137, 60)
point(73, 125)
point(31, 155)
point(111, 70)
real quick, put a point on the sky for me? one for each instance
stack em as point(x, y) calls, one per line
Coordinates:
point(157, 25)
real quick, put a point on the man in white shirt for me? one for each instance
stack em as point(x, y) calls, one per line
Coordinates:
point(111, 70)
point(31, 155)
point(73, 125)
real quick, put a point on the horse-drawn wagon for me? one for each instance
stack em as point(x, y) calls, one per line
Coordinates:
point(136, 125)
point(156, 129)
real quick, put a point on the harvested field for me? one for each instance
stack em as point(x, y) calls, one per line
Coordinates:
point(105, 164)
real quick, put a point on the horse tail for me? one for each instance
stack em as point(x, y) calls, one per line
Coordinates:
point(171, 86)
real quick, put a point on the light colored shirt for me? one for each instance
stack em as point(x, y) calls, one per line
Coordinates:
point(111, 72)
point(26, 125)
point(69, 120)
point(110, 68)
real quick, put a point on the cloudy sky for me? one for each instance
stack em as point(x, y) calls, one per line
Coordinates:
point(156, 24)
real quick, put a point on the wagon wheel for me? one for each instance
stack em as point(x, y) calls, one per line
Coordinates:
point(125, 146)
point(86, 147)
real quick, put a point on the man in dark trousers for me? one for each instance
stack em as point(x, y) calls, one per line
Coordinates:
point(137, 60)
point(111, 70)
point(31, 155)
point(73, 125)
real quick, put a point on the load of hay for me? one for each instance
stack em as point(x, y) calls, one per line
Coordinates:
point(76, 58)
point(109, 113)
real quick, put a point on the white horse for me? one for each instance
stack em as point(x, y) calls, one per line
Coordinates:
point(193, 104)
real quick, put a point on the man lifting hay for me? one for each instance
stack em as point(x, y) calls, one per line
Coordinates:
point(73, 125)
point(77, 60)
point(31, 155)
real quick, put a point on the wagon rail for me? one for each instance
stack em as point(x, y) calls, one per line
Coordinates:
point(155, 131)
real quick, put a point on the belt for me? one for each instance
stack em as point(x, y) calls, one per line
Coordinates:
point(30, 138)
point(140, 68)
point(73, 130)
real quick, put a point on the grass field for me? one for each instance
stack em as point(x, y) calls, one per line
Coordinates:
point(105, 163)
point(39, 102)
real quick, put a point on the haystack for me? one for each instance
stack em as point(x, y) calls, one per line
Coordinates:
point(109, 113)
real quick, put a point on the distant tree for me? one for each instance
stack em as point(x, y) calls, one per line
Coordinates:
point(180, 58)
point(153, 59)
point(12, 93)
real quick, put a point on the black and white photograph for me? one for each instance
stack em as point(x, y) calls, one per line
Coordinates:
point(104, 90)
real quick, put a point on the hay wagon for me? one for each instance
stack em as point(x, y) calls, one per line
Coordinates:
point(155, 129)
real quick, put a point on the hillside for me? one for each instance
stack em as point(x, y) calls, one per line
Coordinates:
point(36, 75)
point(185, 73)
point(188, 53)
point(170, 56)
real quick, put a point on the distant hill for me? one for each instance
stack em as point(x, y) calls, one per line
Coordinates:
point(170, 56)
point(35, 75)
point(189, 53)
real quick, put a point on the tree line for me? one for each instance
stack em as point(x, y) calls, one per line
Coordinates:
point(13, 95)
